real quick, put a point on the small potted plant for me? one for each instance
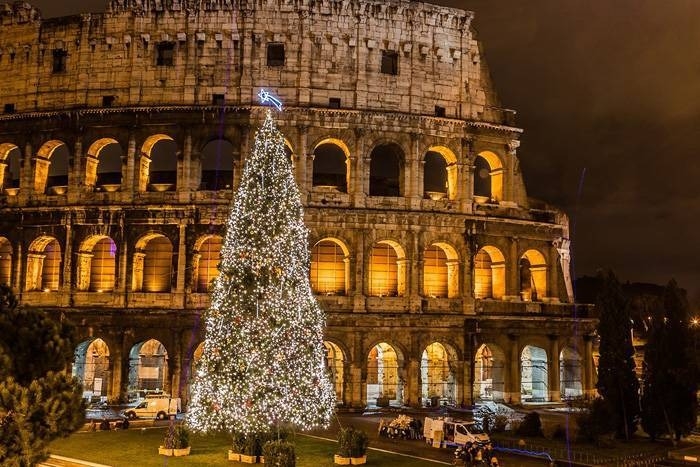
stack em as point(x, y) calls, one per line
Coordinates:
point(342, 456)
point(279, 453)
point(359, 441)
point(237, 446)
point(249, 455)
point(176, 441)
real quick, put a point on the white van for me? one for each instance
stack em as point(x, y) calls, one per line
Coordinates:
point(446, 432)
point(160, 407)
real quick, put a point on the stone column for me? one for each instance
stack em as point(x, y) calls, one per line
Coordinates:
point(304, 160)
point(513, 271)
point(76, 173)
point(357, 390)
point(26, 183)
point(553, 373)
point(175, 368)
point(123, 264)
point(137, 272)
point(128, 169)
point(82, 280)
point(185, 179)
point(453, 279)
point(360, 280)
point(412, 392)
point(358, 188)
point(66, 283)
point(553, 279)
point(117, 386)
point(512, 393)
point(18, 258)
point(181, 263)
point(589, 383)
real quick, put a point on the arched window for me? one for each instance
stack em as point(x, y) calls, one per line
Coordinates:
point(103, 166)
point(335, 362)
point(5, 261)
point(387, 270)
point(438, 376)
point(91, 367)
point(217, 166)
point(153, 264)
point(440, 271)
point(489, 273)
point(489, 373)
point(51, 168)
point(330, 166)
point(158, 165)
point(533, 377)
point(43, 265)
point(9, 167)
point(434, 176)
point(103, 266)
point(209, 252)
point(385, 170)
point(329, 268)
point(148, 366)
point(533, 276)
point(488, 177)
point(384, 381)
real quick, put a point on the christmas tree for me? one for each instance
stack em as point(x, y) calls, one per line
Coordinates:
point(264, 361)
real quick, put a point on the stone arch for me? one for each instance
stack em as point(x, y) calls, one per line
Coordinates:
point(386, 170)
point(489, 372)
point(43, 264)
point(91, 366)
point(217, 164)
point(10, 156)
point(533, 374)
point(533, 276)
point(488, 177)
point(330, 267)
point(385, 382)
point(570, 374)
point(152, 268)
point(5, 261)
point(205, 261)
point(148, 366)
point(331, 165)
point(158, 164)
point(103, 165)
point(387, 270)
point(51, 168)
point(97, 264)
point(335, 363)
point(489, 273)
point(440, 173)
point(438, 375)
point(440, 271)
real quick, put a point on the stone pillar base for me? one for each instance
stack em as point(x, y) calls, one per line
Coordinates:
point(554, 396)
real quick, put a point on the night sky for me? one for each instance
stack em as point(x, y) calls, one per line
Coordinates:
point(608, 93)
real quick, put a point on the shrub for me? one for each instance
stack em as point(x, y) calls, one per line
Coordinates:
point(531, 425)
point(358, 443)
point(238, 443)
point(559, 432)
point(169, 439)
point(279, 453)
point(344, 435)
point(182, 437)
point(596, 422)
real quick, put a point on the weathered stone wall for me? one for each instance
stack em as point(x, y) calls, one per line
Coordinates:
point(333, 49)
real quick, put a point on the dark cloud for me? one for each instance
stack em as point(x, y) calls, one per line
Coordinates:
point(606, 88)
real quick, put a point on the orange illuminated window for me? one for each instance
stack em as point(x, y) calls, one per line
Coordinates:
point(157, 265)
point(52, 266)
point(103, 265)
point(5, 261)
point(383, 271)
point(482, 275)
point(328, 268)
point(435, 272)
point(207, 271)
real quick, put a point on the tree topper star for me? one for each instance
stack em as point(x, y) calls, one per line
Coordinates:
point(267, 97)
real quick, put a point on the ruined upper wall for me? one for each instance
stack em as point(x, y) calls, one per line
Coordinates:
point(333, 49)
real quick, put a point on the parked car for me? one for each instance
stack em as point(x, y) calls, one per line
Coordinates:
point(448, 432)
point(154, 406)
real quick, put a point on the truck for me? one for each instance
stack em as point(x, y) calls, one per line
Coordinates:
point(159, 407)
point(447, 432)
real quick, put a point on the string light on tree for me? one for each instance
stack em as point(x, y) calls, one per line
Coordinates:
point(264, 361)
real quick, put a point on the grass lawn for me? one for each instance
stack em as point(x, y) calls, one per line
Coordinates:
point(139, 448)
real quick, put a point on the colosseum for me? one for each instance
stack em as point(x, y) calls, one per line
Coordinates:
point(122, 139)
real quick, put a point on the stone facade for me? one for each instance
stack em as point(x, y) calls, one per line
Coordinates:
point(399, 90)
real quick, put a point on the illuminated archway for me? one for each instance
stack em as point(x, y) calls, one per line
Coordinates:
point(10, 156)
point(148, 366)
point(488, 177)
point(533, 375)
point(387, 270)
point(97, 264)
point(335, 362)
point(152, 270)
point(103, 165)
point(440, 271)
point(206, 261)
point(5, 261)
point(489, 273)
point(384, 381)
point(489, 373)
point(438, 376)
point(330, 267)
point(158, 164)
point(51, 168)
point(570, 374)
point(440, 173)
point(43, 265)
point(533, 276)
point(91, 368)
point(331, 165)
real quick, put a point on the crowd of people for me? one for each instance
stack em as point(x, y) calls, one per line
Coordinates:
point(476, 455)
point(402, 427)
